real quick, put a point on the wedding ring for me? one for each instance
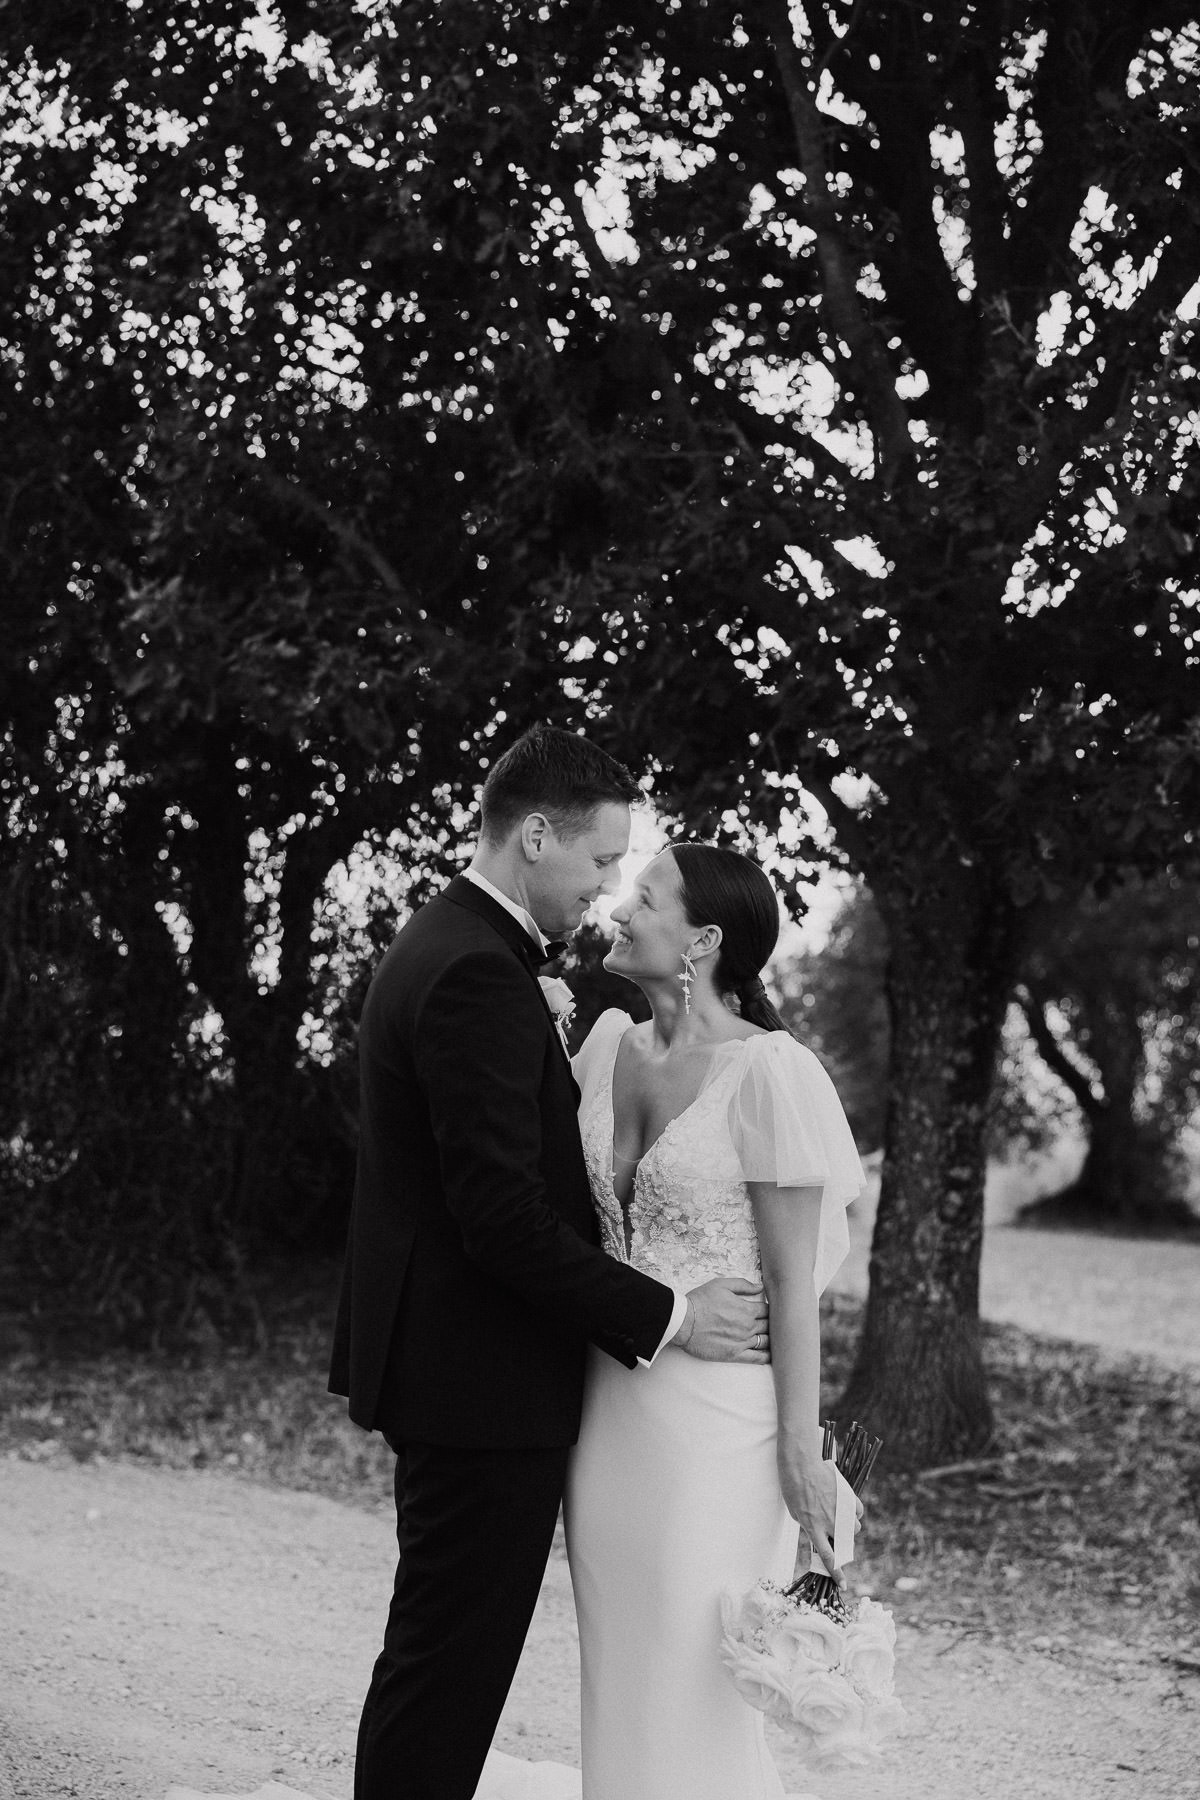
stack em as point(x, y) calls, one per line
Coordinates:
point(758, 1340)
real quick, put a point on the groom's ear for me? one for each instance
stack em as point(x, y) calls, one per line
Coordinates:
point(536, 832)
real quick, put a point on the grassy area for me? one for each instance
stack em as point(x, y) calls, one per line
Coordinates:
point(1083, 1520)
point(262, 1412)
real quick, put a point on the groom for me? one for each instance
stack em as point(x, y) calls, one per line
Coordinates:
point(474, 1277)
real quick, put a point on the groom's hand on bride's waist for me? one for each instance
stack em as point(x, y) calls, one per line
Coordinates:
point(726, 1321)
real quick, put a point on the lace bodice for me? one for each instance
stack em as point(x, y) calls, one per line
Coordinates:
point(767, 1111)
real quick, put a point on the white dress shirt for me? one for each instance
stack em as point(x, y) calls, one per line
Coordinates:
point(510, 906)
point(530, 924)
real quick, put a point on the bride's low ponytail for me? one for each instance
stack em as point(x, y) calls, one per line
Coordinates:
point(755, 1005)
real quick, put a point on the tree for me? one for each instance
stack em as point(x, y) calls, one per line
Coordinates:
point(803, 404)
point(1106, 1003)
point(214, 687)
point(1111, 996)
point(846, 377)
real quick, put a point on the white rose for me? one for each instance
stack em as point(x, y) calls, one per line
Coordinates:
point(759, 1679)
point(885, 1719)
point(849, 1747)
point(809, 1636)
point(868, 1657)
point(756, 1611)
point(870, 1611)
point(828, 1707)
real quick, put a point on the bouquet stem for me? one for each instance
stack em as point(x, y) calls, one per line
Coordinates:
point(855, 1459)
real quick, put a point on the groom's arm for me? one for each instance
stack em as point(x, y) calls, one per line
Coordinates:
point(481, 1038)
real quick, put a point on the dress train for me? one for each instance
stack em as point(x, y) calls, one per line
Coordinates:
point(504, 1778)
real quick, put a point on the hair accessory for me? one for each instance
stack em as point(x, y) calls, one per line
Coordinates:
point(686, 979)
point(752, 989)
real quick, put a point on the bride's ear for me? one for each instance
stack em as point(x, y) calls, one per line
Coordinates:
point(706, 942)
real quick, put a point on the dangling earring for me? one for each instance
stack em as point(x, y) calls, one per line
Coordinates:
point(686, 980)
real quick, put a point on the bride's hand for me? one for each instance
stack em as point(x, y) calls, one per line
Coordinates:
point(810, 1491)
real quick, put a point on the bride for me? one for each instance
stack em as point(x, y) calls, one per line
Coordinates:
point(715, 1144)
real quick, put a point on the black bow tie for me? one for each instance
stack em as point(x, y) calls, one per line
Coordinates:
point(551, 953)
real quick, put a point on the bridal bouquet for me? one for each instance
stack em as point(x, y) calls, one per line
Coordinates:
point(804, 1658)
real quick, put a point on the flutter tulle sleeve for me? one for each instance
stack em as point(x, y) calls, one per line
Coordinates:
point(593, 1061)
point(789, 1129)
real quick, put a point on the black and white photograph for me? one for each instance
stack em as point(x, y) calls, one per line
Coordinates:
point(599, 900)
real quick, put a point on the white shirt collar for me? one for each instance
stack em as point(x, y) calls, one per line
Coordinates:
point(510, 906)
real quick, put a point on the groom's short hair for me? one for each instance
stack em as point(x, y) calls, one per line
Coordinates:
point(557, 773)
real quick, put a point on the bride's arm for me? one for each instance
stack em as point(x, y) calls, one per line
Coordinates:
point(787, 1222)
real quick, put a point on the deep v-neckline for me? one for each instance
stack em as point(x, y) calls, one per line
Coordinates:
point(625, 1207)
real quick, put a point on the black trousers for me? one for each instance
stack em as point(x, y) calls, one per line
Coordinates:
point(474, 1529)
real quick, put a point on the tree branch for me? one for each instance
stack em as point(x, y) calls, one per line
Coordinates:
point(564, 171)
point(846, 822)
point(894, 448)
point(1086, 51)
point(1054, 1055)
point(975, 113)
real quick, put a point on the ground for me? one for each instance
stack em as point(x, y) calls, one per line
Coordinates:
point(163, 1625)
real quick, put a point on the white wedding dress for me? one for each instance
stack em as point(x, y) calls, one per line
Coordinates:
point(673, 1495)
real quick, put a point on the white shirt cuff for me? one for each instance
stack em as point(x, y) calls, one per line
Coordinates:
point(678, 1315)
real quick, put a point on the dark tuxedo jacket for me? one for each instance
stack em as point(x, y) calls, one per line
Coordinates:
point(473, 1276)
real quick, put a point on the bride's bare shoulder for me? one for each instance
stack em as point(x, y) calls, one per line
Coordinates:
point(741, 1029)
point(637, 1038)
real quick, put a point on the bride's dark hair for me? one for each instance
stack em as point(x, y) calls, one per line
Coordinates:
point(722, 887)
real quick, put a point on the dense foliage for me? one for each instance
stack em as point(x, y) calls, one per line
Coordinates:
point(809, 411)
point(1102, 1041)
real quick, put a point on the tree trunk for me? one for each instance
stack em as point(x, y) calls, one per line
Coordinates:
point(270, 1095)
point(284, 1144)
point(918, 1380)
point(1128, 1177)
point(1131, 1173)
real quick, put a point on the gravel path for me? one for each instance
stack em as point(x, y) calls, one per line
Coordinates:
point(161, 1627)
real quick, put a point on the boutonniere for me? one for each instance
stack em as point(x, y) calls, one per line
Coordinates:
point(561, 1001)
